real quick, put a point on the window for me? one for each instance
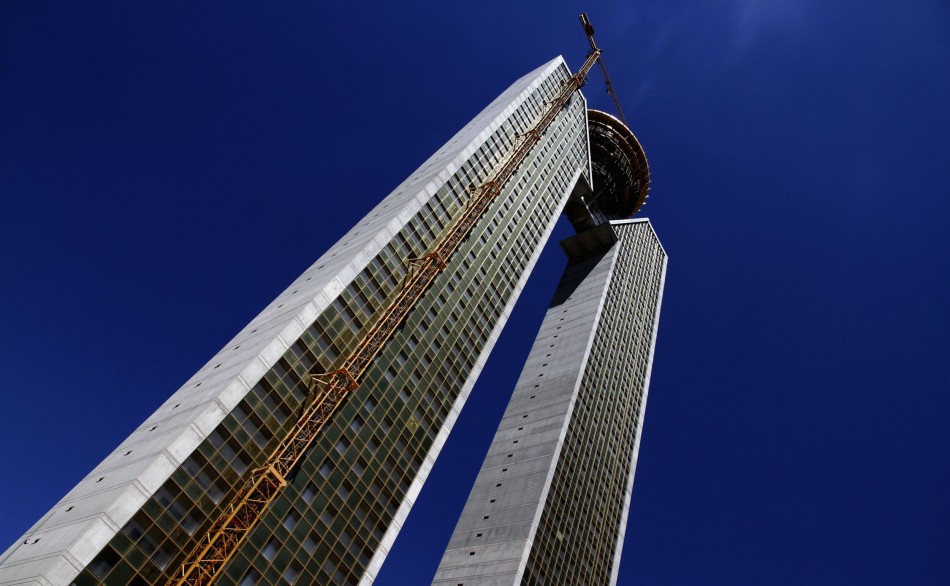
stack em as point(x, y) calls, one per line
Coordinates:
point(326, 346)
point(342, 445)
point(133, 530)
point(291, 520)
point(162, 557)
point(270, 550)
point(147, 544)
point(239, 465)
point(252, 429)
point(292, 572)
point(356, 424)
point(250, 578)
point(310, 544)
point(104, 562)
point(329, 567)
point(210, 487)
point(163, 497)
point(328, 515)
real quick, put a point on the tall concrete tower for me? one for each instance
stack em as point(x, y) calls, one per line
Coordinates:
point(550, 503)
point(295, 454)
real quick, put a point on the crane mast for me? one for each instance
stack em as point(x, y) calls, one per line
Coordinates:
point(242, 513)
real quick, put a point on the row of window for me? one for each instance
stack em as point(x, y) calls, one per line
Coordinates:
point(580, 522)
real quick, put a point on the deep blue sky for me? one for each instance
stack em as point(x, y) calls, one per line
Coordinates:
point(166, 170)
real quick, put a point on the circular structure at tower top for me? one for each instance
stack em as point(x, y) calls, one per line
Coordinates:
point(621, 173)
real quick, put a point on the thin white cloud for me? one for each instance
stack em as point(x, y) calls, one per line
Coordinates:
point(755, 18)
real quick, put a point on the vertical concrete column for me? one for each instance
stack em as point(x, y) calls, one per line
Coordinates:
point(493, 537)
point(551, 501)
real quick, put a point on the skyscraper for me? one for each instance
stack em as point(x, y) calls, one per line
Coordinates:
point(550, 503)
point(490, 197)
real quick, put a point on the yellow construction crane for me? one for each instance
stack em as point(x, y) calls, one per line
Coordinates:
point(265, 483)
point(589, 30)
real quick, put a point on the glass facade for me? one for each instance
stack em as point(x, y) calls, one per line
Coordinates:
point(333, 523)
